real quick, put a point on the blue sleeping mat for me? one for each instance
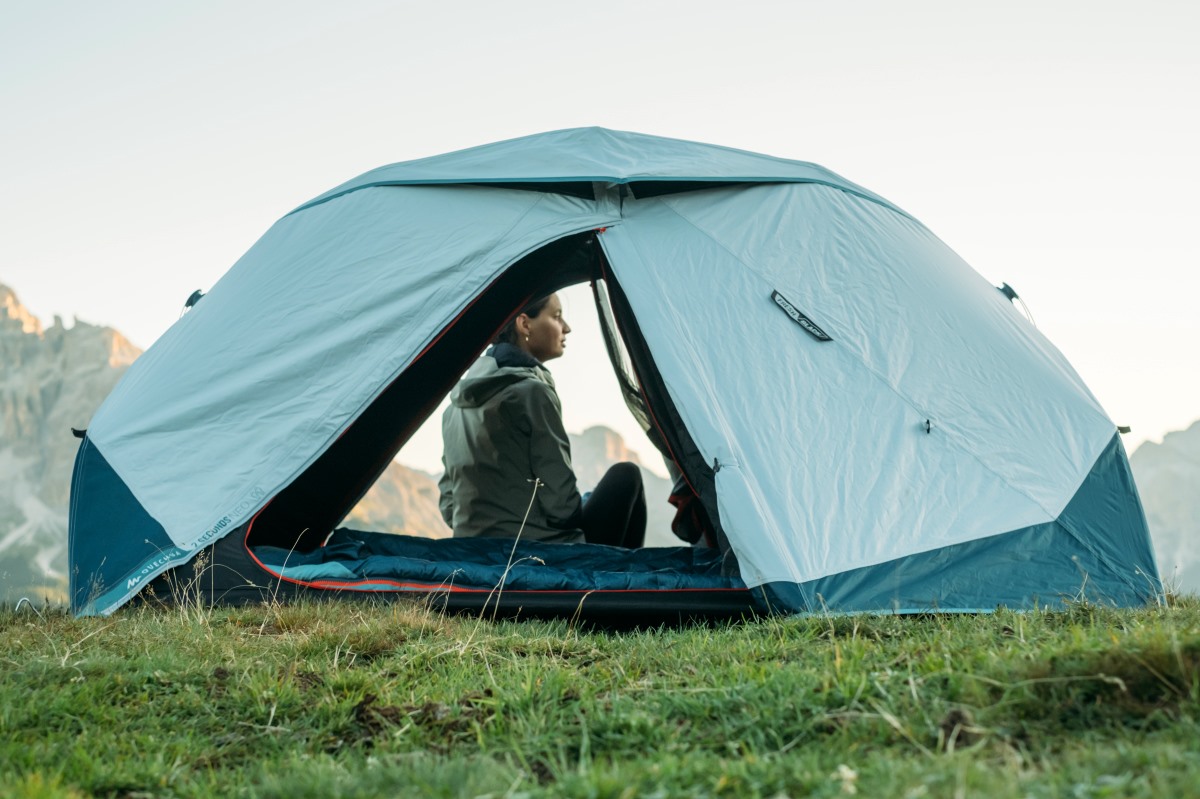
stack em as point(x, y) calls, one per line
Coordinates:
point(365, 559)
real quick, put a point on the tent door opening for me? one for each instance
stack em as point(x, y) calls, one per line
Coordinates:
point(302, 514)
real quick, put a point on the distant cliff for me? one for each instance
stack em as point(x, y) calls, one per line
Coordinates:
point(597, 448)
point(1168, 479)
point(52, 379)
point(403, 500)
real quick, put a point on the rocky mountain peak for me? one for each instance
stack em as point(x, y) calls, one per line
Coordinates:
point(594, 450)
point(609, 442)
point(14, 316)
point(52, 380)
point(1167, 477)
point(1178, 444)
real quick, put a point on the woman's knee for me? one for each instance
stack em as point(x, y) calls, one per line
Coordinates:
point(626, 472)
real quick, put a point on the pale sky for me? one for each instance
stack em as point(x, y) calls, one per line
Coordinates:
point(1053, 145)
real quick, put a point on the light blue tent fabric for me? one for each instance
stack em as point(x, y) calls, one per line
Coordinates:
point(935, 419)
point(841, 438)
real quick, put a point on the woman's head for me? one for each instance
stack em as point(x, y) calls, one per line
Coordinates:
point(539, 329)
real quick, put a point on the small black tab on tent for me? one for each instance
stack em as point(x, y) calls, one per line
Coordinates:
point(1123, 429)
point(928, 426)
point(799, 318)
point(79, 433)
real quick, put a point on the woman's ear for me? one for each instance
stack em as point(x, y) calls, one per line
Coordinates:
point(522, 327)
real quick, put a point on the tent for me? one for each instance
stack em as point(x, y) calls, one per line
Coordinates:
point(869, 424)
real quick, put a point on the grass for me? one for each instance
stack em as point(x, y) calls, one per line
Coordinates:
point(364, 700)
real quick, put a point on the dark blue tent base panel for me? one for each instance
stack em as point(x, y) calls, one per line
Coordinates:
point(1042, 566)
point(592, 584)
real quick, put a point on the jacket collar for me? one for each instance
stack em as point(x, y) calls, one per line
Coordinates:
point(507, 355)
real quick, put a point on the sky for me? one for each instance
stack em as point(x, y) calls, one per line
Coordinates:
point(147, 145)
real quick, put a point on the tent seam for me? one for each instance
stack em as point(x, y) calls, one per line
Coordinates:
point(738, 180)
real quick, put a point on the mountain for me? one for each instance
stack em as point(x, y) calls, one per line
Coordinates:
point(596, 449)
point(53, 379)
point(1168, 479)
point(403, 500)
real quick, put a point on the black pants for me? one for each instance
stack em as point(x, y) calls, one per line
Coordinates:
point(615, 513)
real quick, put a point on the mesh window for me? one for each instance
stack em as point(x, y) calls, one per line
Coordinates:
point(631, 390)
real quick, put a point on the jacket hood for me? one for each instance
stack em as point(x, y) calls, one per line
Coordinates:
point(487, 377)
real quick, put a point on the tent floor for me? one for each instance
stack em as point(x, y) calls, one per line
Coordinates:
point(605, 586)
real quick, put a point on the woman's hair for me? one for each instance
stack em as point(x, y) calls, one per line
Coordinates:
point(508, 333)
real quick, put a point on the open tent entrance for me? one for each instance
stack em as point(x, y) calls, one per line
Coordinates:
point(303, 513)
point(291, 546)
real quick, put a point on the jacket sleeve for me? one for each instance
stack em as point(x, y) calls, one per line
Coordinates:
point(550, 458)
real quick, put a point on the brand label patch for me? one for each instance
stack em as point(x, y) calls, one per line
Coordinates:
point(791, 310)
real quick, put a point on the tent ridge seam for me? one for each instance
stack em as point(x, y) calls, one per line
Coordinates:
point(736, 179)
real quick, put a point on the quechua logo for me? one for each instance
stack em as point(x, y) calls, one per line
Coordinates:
point(799, 318)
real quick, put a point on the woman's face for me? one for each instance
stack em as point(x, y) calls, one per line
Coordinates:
point(546, 334)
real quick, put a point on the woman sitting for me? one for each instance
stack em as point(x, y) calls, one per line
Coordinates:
point(506, 454)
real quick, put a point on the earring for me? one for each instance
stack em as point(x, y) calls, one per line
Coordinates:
point(526, 337)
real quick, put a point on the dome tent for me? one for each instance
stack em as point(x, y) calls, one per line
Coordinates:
point(869, 422)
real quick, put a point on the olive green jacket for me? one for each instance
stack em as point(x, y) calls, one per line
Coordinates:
point(502, 432)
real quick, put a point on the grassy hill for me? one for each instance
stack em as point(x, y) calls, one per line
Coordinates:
point(361, 700)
